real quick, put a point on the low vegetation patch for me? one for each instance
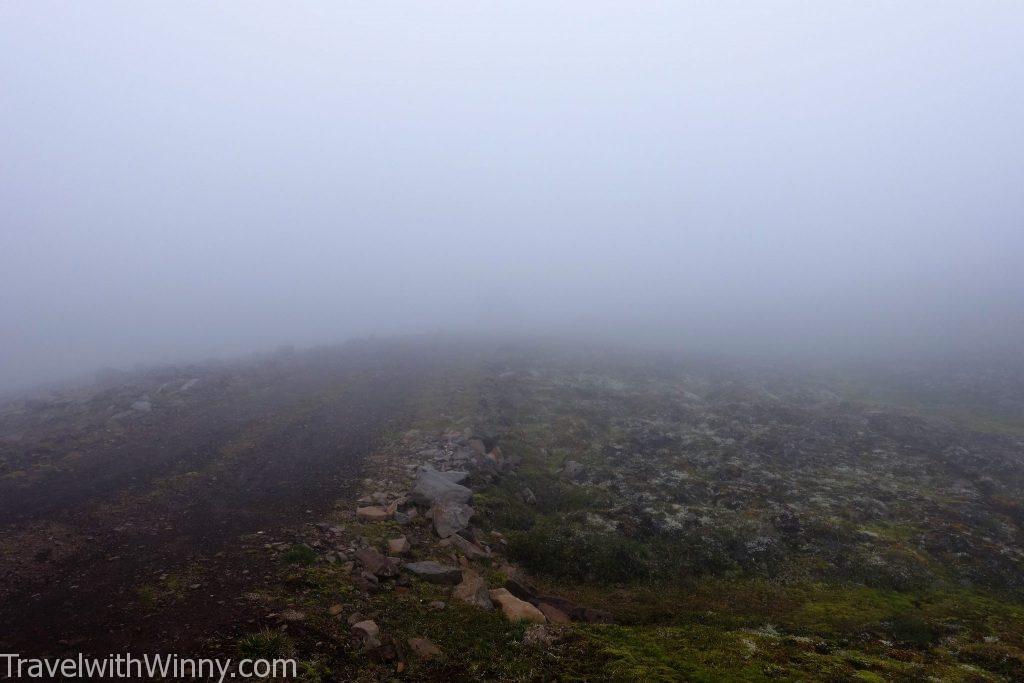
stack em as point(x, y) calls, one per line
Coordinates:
point(265, 644)
point(299, 554)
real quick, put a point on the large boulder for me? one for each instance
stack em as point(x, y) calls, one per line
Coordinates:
point(432, 487)
point(473, 590)
point(516, 609)
point(554, 615)
point(450, 517)
point(520, 588)
point(432, 572)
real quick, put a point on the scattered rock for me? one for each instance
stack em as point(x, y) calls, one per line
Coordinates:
point(367, 585)
point(377, 564)
point(572, 610)
point(368, 634)
point(335, 610)
point(473, 590)
point(402, 517)
point(399, 546)
point(554, 615)
point(373, 513)
point(432, 572)
point(471, 550)
point(431, 487)
point(474, 535)
point(514, 608)
point(450, 517)
point(521, 589)
point(367, 627)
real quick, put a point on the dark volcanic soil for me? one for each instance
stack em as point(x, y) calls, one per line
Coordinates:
point(102, 504)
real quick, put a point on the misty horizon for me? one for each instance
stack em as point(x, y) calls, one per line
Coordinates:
point(526, 341)
point(182, 182)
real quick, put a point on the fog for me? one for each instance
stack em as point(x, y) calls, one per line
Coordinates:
point(186, 180)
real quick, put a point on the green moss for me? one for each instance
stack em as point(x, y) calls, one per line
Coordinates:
point(835, 610)
point(703, 653)
point(893, 531)
point(299, 554)
point(148, 596)
point(913, 629)
point(698, 653)
point(564, 552)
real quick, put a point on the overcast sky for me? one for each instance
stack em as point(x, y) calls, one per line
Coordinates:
point(185, 179)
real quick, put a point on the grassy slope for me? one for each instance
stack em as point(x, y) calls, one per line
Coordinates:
point(719, 624)
point(747, 628)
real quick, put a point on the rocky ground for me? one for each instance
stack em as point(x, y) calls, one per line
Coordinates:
point(442, 509)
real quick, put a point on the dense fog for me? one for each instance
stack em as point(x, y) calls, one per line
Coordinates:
point(187, 180)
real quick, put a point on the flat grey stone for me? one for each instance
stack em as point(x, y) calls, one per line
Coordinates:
point(432, 572)
point(432, 486)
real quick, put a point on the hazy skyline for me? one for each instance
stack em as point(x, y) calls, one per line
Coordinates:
point(189, 179)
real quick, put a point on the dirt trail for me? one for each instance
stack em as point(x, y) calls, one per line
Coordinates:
point(178, 500)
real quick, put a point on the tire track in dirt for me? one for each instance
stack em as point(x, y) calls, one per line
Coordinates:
point(266, 475)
